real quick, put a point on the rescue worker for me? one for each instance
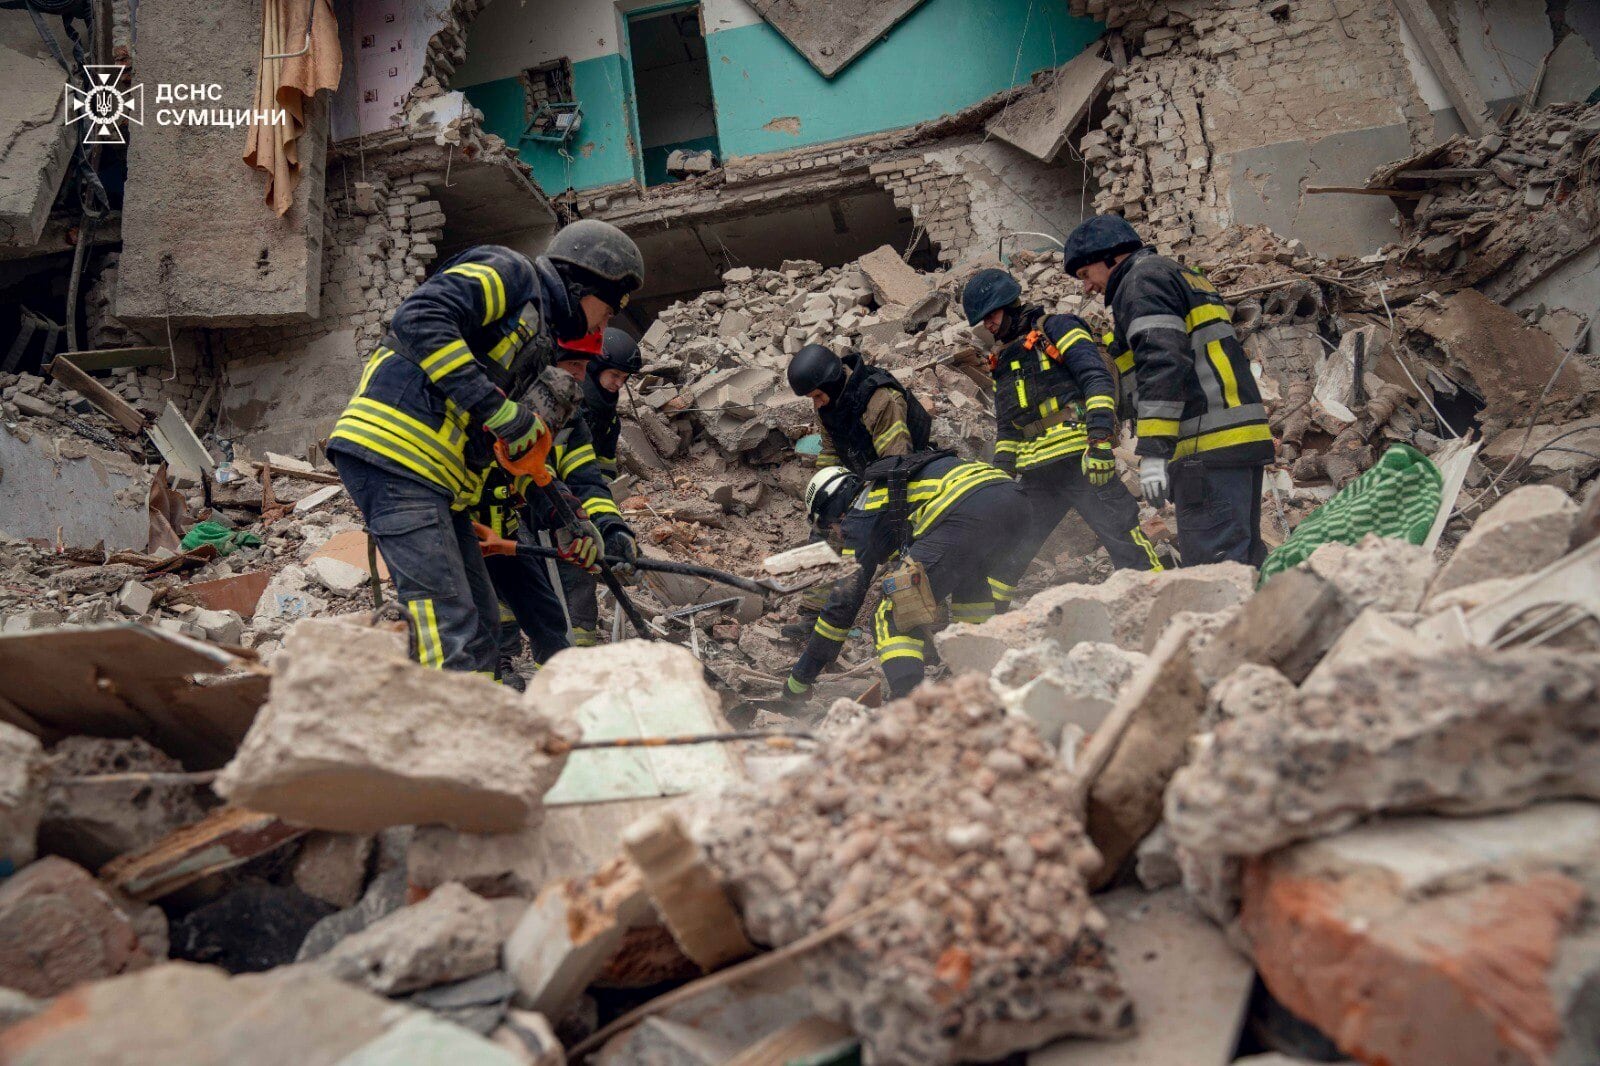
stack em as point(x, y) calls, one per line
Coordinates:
point(865, 415)
point(864, 412)
point(1203, 436)
point(528, 599)
point(414, 445)
point(1055, 419)
point(603, 378)
point(949, 516)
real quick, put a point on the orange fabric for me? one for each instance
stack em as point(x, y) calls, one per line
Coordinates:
point(289, 84)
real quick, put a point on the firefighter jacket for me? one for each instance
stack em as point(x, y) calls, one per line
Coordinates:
point(1194, 394)
point(605, 422)
point(1051, 389)
point(934, 489)
point(580, 475)
point(478, 331)
point(873, 417)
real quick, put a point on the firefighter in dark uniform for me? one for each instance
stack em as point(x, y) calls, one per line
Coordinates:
point(1202, 429)
point(1055, 416)
point(957, 520)
point(865, 415)
point(414, 445)
point(604, 376)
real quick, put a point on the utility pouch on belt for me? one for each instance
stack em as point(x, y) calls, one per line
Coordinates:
point(910, 596)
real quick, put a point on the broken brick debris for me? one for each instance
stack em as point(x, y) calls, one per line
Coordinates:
point(997, 946)
point(690, 899)
point(59, 927)
point(451, 935)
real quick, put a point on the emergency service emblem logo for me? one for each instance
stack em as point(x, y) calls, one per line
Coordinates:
point(103, 105)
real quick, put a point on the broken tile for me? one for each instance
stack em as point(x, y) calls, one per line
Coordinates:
point(451, 935)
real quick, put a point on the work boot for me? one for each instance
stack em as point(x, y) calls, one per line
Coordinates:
point(585, 638)
point(799, 631)
point(510, 678)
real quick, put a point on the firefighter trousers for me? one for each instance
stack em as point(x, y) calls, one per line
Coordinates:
point(1109, 510)
point(432, 555)
point(583, 605)
point(966, 556)
point(1219, 513)
point(527, 594)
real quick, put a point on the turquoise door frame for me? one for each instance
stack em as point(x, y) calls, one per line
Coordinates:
point(632, 93)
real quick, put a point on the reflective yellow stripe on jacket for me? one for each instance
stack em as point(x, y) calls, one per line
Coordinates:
point(931, 498)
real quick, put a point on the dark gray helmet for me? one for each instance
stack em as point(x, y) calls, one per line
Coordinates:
point(986, 292)
point(816, 367)
point(601, 249)
point(1098, 239)
point(618, 351)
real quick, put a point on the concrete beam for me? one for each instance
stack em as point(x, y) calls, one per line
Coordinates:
point(1446, 62)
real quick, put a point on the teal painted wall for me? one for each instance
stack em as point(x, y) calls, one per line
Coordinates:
point(944, 56)
point(600, 152)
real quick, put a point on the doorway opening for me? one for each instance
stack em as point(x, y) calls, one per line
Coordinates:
point(672, 87)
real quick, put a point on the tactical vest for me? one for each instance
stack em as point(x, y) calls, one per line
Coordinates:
point(1033, 389)
point(844, 418)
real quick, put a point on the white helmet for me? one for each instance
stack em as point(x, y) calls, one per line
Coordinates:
point(829, 485)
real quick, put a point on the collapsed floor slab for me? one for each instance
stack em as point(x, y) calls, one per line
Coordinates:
point(1457, 732)
point(355, 737)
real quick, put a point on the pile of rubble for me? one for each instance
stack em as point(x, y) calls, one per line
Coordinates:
point(1371, 782)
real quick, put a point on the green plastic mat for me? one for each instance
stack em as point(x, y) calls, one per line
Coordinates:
point(1398, 498)
point(226, 540)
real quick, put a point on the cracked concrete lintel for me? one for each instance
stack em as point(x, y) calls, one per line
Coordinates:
point(48, 483)
point(35, 146)
point(832, 35)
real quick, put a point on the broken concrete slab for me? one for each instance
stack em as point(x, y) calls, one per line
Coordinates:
point(1057, 689)
point(200, 1016)
point(817, 553)
point(1041, 121)
point(246, 266)
point(1190, 986)
point(570, 932)
point(1416, 941)
point(228, 837)
point(36, 145)
point(685, 891)
point(439, 747)
point(54, 483)
point(1129, 609)
point(59, 926)
point(996, 909)
point(333, 866)
point(23, 776)
point(1456, 733)
point(894, 281)
point(635, 688)
point(1382, 572)
point(1289, 625)
point(1506, 360)
point(831, 39)
point(571, 841)
point(451, 935)
point(1374, 635)
point(1527, 530)
point(126, 680)
point(529, 1034)
point(1167, 699)
point(386, 894)
point(92, 823)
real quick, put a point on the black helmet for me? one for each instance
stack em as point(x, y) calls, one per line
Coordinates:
point(816, 367)
point(607, 262)
point(1097, 239)
point(986, 292)
point(618, 351)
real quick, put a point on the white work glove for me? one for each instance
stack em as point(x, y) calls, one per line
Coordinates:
point(1153, 480)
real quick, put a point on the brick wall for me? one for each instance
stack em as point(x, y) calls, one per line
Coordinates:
point(1218, 78)
point(938, 198)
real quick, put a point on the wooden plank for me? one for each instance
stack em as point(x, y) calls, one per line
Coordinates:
point(238, 593)
point(117, 358)
point(1442, 174)
point(1399, 194)
point(226, 838)
point(68, 374)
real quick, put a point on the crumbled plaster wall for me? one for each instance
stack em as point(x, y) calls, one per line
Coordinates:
point(184, 377)
point(284, 386)
point(1208, 83)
